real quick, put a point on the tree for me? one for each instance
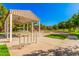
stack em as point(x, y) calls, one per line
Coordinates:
point(72, 23)
point(55, 27)
point(3, 14)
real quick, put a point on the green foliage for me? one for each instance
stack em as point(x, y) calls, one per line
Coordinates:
point(3, 14)
point(72, 23)
point(43, 27)
point(55, 27)
point(56, 36)
point(0, 24)
point(4, 50)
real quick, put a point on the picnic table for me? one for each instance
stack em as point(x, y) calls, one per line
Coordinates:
point(24, 39)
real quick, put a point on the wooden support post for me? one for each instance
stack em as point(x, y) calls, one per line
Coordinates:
point(38, 32)
point(36, 38)
point(27, 34)
point(32, 31)
point(7, 30)
point(27, 27)
point(24, 39)
point(23, 27)
point(10, 27)
point(39, 28)
point(5, 27)
point(19, 36)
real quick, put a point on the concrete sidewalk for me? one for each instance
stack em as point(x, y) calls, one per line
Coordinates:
point(44, 43)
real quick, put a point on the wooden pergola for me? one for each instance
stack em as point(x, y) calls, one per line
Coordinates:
point(20, 16)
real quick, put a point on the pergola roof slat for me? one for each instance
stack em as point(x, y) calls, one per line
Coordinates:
point(26, 14)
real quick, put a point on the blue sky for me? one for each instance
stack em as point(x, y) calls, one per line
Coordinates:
point(48, 13)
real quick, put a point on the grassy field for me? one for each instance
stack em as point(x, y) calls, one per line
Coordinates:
point(4, 50)
point(56, 36)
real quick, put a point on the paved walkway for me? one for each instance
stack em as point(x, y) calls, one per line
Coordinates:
point(44, 43)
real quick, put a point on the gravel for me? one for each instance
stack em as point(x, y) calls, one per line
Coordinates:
point(60, 51)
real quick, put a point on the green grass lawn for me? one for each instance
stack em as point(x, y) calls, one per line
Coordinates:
point(2, 33)
point(4, 50)
point(56, 36)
